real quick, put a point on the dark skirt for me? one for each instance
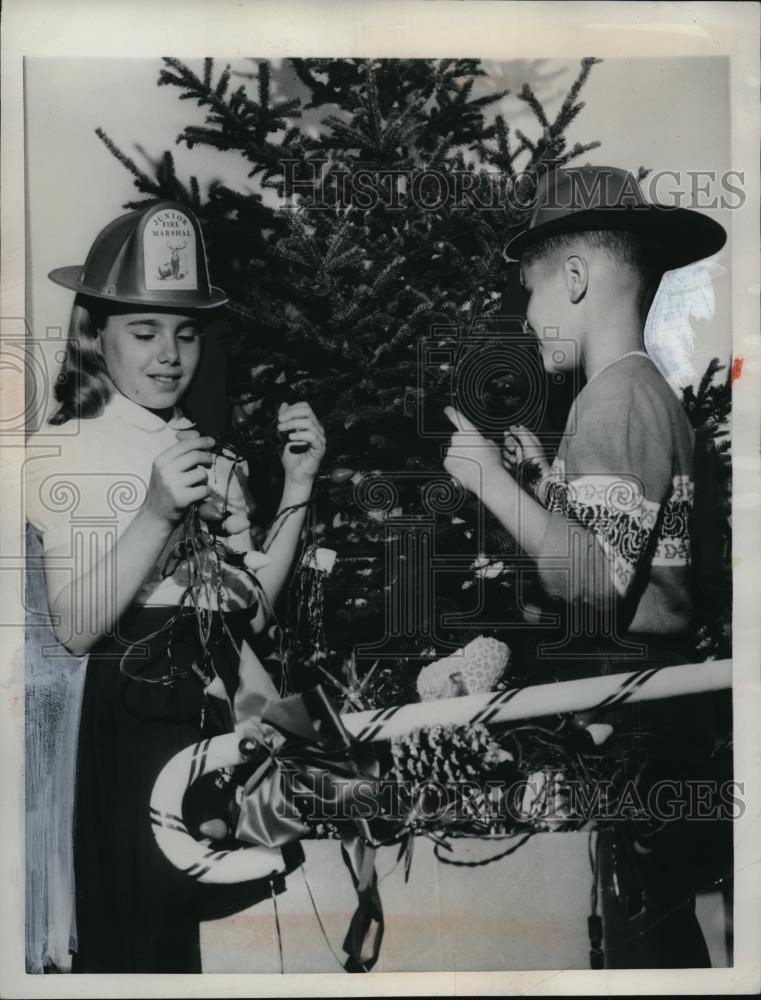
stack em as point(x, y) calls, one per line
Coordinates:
point(135, 912)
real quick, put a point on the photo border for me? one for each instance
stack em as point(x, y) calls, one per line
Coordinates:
point(401, 28)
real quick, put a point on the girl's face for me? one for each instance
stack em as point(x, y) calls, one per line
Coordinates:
point(151, 357)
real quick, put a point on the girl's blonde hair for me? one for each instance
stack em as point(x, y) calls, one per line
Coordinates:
point(83, 387)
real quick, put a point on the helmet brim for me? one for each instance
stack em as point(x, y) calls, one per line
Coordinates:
point(70, 277)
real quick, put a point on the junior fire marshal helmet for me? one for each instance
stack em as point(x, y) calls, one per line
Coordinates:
point(151, 257)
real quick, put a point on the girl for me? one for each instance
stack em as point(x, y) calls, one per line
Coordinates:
point(135, 581)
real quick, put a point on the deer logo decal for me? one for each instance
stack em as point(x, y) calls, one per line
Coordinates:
point(173, 268)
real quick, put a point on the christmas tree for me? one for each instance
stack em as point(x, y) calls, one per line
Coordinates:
point(709, 407)
point(366, 276)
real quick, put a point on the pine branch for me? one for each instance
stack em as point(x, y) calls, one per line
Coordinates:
point(504, 158)
point(321, 93)
point(222, 84)
point(143, 182)
point(578, 149)
point(439, 153)
point(550, 147)
point(373, 110)
point(570, 116)
point(264, 100)
point(526, 143)
point(568, 109)
point(529, 97)
point(237, 122)
point(464, 92)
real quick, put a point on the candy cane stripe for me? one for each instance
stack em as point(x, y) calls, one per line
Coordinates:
point(204, 754)
point(615, 695)
point(486, 710)
point(485, 716)
point(377, 723)
point(168, 826)
point(628, 688)
point(169, 816)
point(194, 761)
point(216, 855)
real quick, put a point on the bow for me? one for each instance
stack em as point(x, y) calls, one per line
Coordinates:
point(307, 766)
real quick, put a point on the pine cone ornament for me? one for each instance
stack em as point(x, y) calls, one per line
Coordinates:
point(475, 669)
point(444, 754)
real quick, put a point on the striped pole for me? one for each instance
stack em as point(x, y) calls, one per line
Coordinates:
point(511, 704)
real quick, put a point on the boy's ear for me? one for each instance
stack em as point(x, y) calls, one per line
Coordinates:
point(576, 273)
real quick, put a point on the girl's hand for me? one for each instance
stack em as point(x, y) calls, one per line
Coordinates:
point(306, 442)
point(471, 458)
point(179, 477)
point(521, 445)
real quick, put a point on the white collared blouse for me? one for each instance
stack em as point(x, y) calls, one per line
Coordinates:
point(85, 481)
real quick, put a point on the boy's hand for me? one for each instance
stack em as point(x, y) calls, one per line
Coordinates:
point(521, 445)
point(305, 446)
point(471, 458)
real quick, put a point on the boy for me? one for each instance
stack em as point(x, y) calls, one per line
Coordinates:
point(608, 523)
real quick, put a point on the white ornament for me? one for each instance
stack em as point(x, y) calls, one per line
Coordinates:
point(600, 732)
point(475, 669)
point(254, 560)
point(486, 569)
point(323, 559)
point(546, 800)
point(235, 523)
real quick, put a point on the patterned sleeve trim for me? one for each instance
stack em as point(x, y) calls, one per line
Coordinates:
point(616, 510)
point(542, 489)
point(673, 547)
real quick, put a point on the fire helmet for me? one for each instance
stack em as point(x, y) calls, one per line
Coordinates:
point(154, 256)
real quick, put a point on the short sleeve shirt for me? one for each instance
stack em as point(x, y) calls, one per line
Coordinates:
point(624, 470)
point(85, 481)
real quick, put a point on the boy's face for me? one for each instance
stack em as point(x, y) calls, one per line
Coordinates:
point(548, 311)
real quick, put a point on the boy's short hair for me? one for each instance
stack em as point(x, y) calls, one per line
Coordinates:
point(625, 247)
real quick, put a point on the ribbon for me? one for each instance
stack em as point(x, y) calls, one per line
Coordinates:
point(363, 939)
point(302, 754)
